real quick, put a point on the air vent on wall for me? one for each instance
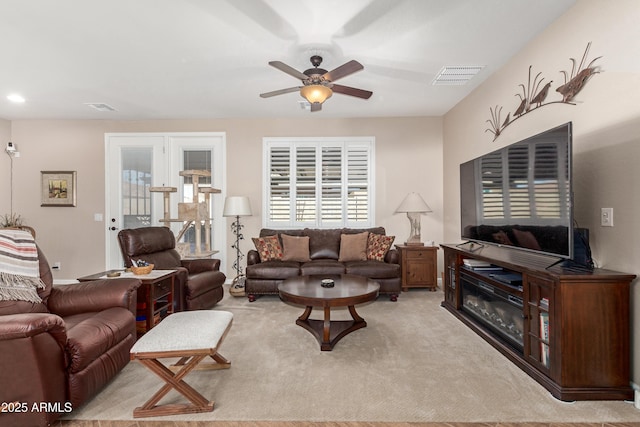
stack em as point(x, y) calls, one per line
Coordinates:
point(100, 106)
point(456, 75)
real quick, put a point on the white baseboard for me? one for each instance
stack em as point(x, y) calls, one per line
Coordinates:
point(636, 395)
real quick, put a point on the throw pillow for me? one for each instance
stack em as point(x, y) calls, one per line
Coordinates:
point(353, 247)
point(378, 246)
point(268, 248)
point(295, 248)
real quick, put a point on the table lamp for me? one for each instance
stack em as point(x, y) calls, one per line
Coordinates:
point(237, 206)
point(414, 206)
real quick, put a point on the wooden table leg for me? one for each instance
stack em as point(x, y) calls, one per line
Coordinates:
point(355, 316)
point(328, 332)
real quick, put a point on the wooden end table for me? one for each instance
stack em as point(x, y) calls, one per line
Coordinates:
point(157, 293)
point(419, 266)
point(348, 291)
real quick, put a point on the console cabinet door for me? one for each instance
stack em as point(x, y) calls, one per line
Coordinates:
point(451, 297)
point(539, 325)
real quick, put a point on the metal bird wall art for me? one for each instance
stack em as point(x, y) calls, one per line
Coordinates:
point(534, 95)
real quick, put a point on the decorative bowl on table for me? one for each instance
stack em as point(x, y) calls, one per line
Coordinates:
point(138, 271)
point(327, 283)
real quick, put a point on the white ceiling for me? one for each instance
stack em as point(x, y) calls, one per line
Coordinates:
point(175, 59)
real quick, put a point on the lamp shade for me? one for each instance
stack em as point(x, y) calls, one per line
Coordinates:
point(237, 206)
point(413, 203)
point(316, 93)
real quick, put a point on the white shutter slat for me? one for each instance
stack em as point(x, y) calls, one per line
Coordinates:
point(322, 182)
point(280, 184)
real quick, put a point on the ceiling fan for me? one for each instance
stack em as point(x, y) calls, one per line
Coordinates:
point(318, 84)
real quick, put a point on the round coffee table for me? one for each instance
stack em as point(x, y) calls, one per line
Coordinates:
point(348, 291)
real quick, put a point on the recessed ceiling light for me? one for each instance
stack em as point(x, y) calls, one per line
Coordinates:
point(14, 97)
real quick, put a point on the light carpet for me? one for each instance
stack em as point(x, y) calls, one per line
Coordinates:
point(414, 362)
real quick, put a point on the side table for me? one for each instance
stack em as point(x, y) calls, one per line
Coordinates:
point(156, 295)
point(419, 266)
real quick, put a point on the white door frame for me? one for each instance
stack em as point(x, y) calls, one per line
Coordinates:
point(168, 150)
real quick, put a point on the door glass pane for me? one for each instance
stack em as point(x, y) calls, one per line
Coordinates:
point(136, 180)
point(197, 160)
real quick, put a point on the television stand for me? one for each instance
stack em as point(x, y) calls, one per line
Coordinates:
point(568, 329)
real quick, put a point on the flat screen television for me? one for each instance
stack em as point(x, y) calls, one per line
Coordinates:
point(521, 195)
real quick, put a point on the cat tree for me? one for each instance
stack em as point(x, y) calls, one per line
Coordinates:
point(196, 213)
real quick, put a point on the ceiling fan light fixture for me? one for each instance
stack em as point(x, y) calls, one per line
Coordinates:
point(316, 93)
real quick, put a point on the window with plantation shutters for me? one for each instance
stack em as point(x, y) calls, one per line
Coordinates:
point(323, 183)
point(525, 182)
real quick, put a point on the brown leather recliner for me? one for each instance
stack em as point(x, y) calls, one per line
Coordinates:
point(59, 353)
point(200, 281)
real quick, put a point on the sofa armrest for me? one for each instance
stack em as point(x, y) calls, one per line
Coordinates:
point(253, 257)
point(94, 296)
point(392, 257)
point(27, 325)
point(200, 265)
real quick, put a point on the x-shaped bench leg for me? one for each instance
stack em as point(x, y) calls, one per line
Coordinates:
point(175, 381)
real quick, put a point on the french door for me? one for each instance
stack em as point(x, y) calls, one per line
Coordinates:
point(135, 162)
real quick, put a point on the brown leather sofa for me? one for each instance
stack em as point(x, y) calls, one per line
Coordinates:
point(200, 281)
point(62, 351)
point(263, 278)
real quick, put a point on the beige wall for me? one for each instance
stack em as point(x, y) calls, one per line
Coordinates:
point(606, 123)
point(5, 168)
point(408, 158)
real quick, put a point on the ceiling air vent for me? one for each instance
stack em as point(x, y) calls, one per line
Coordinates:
point(456, 75)
point(100, 106)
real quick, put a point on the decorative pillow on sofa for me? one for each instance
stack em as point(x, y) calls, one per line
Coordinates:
point(295, 248)
point(378, 245)
point(353, 247)
point(268, 248)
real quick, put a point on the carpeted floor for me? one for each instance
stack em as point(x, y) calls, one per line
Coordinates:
point(413, 363)
point(319, 424)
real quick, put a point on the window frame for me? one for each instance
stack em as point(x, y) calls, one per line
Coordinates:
point(361, 144)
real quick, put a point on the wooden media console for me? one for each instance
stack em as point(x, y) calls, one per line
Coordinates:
point(569, 329)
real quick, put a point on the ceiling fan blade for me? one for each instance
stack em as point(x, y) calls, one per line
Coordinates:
point(316, 106)
point(343, 70)
point(289, 70)
point(352, 91)
point(279, 92)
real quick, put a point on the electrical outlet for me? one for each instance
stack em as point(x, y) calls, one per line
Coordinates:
point(606, 217)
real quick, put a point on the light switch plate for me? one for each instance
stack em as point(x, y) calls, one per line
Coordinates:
point(606, 217)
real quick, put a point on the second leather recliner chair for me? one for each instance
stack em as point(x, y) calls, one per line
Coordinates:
point(200, 281)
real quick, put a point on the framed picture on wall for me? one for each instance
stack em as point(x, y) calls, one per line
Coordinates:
point(58, 188)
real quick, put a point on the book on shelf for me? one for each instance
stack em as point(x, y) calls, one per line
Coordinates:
point(544, 336)
point(544, 303)
point(470, 262)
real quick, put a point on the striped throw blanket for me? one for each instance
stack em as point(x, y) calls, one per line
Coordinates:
point(19, 267)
